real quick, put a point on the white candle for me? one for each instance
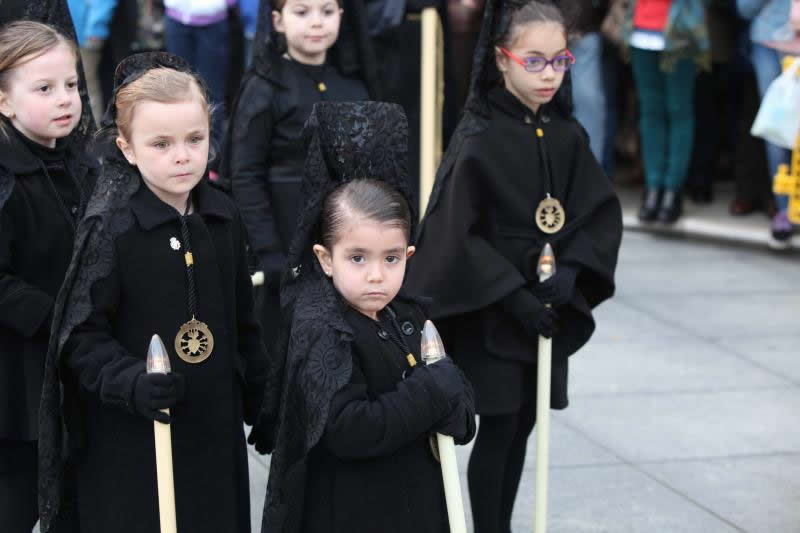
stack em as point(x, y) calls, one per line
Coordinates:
point(158, 362)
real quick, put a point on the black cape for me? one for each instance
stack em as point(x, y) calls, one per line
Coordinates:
point(478, 237)
point(346, 141)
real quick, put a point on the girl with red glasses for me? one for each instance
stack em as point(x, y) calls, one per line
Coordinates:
point(518, 174)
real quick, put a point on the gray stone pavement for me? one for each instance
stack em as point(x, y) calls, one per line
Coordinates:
point(684, 406)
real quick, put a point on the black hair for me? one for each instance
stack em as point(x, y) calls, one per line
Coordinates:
point(370, 198)
point(517, 13)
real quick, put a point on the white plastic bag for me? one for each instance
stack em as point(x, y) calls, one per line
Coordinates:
point(778, 118)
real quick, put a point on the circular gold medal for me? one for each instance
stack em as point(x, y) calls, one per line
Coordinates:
point(194, 342)
point(550, 215)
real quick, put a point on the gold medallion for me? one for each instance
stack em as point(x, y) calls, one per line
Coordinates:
point(550, 215)
point(194, 342)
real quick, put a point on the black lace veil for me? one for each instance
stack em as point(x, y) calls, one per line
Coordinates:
point(346, 141)
point(106, 218)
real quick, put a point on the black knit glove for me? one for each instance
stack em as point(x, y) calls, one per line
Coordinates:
point(557, 290)
point(272, 264)
point(460, 423)
point(531, 313)
point(153, 392)
point(447, 378)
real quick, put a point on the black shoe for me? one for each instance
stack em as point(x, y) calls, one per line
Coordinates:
point(671, 207)
point(649, 209)
point(701, 194)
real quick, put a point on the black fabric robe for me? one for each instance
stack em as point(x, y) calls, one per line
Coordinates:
point(136, 285)
point(37, 217)
point(368, 473)
point(347, 460)
point(479, 242)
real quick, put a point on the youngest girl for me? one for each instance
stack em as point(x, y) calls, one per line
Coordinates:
point(353, 450)
point(160, 251)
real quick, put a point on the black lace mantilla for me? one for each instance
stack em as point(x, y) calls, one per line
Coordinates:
point(107, 217)
point(346, 141)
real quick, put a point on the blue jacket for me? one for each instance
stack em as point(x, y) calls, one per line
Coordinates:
point(91, 18)
point(248, 10)
point(769, 19)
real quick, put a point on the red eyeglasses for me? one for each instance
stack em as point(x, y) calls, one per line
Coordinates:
point(560, 63)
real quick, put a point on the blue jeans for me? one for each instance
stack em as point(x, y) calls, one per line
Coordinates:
point(767, 66)
point(588, 91)
point(666, 101)
point(207, 49)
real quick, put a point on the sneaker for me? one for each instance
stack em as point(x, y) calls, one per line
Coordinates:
point(782, 231)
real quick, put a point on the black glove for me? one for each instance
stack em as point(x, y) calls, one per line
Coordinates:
point(532, 314)
point(262, 437)
point(460, 423)
point(557, 290)
point(153, 392)
point(446, 377)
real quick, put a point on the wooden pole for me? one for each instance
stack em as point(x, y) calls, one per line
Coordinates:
point(431, 102)
point(546, 269)
point(158, 362)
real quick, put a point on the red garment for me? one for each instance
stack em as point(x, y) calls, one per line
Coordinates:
point(651, 14)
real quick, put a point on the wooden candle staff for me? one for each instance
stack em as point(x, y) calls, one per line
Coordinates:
point(158, 363)
point(545, 269)
point(433, 351)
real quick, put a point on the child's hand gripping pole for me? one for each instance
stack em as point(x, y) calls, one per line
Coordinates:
point(158, 363)
point(545, 269)
point(433, 351)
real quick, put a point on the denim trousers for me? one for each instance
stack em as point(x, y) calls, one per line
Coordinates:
point(207, 49)
point(666, 102)
point(588, 90)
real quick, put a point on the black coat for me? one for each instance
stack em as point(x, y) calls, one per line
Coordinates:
point(145, 293)
point(369, 473)
point(265, 154)
point(479, 237)
point(37, 216)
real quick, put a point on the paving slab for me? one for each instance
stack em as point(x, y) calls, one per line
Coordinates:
point(660, 427)
point(617, 321)
point(778, 353)
point(717, 275)
point(652, 365)
point(759, 494)
point(612, 499)
point(727, 315)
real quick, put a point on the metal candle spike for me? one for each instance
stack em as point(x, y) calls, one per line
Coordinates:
point(432, 351)
point(158, 363)
point(545, 269)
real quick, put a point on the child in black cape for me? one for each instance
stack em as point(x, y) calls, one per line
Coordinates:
point(264, 153)
point(353, 451)
point(160, 251)
point(46, 178)
point(518, 174)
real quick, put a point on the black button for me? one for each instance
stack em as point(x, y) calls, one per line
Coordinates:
point(382, 334)
point(408, 328)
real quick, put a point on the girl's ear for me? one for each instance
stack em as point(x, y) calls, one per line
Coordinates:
point(325, 259)
point(5, 108)
point(277, 22)
point(410, 251)
point(500, 59)
point(125, 148)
